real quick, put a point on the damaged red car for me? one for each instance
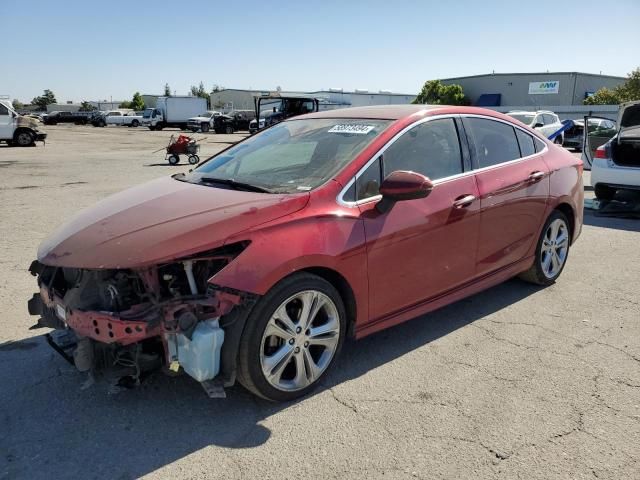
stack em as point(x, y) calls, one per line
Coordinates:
point(259, 263)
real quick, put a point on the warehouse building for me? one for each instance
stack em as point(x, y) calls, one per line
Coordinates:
point(535, 90)
point(236, 99)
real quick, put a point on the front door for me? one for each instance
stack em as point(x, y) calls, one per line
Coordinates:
point(420, 248)
point(6, 123)
point(513, 181)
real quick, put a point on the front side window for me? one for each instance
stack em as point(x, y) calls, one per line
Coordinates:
point(549, 119)
point(3, 110)
point(368, 182)
point(431, 148)
point(493, 142)
point(293, 156)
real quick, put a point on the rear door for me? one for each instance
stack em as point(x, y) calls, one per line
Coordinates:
point(513, 182)
point(421, 248)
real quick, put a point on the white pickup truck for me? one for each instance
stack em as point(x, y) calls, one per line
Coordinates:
point(118, 117)
point(16, 129)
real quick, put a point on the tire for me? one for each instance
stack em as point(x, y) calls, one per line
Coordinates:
point(194, 159)
point(24, 138)
point(258, 350)
point(159, 127)
point(174, 159)
point(135, 124)
point(204, 127)
point(548, 247)
point(102, 124)
point(153, 129)
point(604, 192)
point(228, 130)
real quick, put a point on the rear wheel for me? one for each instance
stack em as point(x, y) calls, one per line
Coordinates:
point(292, 337)
point(551, 252)
point(604, 192)
point(193, 159)
point(135, 124)
point(229, 129)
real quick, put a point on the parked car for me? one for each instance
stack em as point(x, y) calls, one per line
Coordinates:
point(614, 155)
point(544, 121)
point(78, 118)
point(16, 129)
point(233, 121)
point(274, 108)
point(117, 117)
point(203, 122)
point(259, 263)
point(574, 136)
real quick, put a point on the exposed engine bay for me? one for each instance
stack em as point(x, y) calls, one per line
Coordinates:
point(139, 320)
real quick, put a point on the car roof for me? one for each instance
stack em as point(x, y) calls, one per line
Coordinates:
point(397, 112)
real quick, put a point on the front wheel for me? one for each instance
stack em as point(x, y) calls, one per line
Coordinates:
point(204, 127)
point(552, 251)
point(292, 337)
point(174, 159)
point(24, 138)
point(135, 124)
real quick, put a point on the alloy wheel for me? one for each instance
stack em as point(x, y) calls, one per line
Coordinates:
point(300, 340)
point(554, 248)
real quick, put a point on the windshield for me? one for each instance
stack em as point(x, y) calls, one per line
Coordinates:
point(525, 118)
point(293, 156)
point(147, 113)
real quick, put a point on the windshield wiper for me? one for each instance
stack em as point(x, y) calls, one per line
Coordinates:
point(236, 185)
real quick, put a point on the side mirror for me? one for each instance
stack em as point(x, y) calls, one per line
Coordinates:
point(538, 125)
point(403, 185)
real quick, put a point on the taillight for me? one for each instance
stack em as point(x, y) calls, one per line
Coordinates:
point(601, 152)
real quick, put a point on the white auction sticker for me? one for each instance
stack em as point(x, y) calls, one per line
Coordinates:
point(351, 128)
point(61, 311)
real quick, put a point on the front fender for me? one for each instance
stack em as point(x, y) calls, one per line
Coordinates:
point(333, 241)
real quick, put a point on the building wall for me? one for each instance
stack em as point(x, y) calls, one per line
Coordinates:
point(243, 99)
point(514, 88)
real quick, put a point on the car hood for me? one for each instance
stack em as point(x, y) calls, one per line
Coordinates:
point(160, 221)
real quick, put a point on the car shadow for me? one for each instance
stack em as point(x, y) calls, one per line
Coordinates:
point(51, 427)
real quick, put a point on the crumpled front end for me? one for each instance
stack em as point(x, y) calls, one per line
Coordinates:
point(138, 320)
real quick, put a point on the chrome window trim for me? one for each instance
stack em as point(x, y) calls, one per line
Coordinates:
point(374, 157)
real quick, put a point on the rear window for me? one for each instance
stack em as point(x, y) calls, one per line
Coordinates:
point(527, 147)
point(493, 142)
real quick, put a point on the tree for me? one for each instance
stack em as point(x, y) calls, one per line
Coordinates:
point(200, 91)
point(137, 102)
point(17, 104)
point(627, 92)
point(216, 88)
point(47, 98)
point(126, 104)
point(167, 90)
point(87, 107)
point(434, 92)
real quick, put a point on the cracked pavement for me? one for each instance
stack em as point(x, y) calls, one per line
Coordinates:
point(515, 382)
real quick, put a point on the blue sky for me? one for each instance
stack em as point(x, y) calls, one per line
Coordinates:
point(91, 50)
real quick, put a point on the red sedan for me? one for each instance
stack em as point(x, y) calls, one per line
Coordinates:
point(257, 264)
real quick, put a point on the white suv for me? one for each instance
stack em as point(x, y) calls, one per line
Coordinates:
point(614, 155)
point(543, 120)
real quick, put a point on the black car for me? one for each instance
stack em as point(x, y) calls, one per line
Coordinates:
point(79, 118)
point(232, 122)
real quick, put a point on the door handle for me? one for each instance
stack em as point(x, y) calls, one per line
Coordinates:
point(464, 201)
point(536, 176)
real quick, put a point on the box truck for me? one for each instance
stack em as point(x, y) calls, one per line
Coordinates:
point(16, 129)
point(173, 112)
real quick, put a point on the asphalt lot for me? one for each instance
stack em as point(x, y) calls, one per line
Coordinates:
point(515, 382)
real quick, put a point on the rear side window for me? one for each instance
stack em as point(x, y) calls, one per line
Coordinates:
point(527, 147)
point(431, 148)
point(493, 142)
